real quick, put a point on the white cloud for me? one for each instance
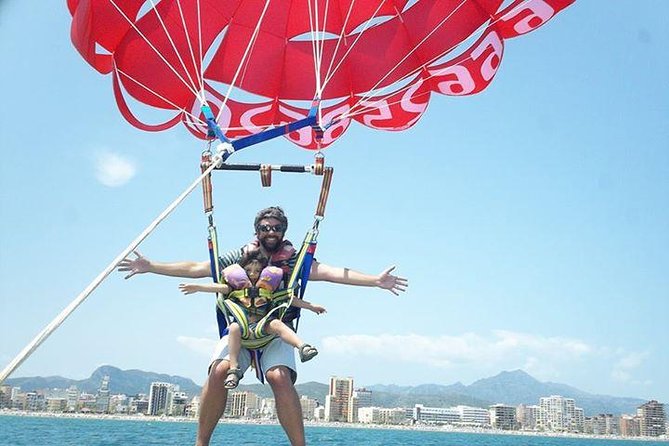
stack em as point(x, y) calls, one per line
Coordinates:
point(500, 350)
point(202, 346)
point(623, 368)
point(113, 170)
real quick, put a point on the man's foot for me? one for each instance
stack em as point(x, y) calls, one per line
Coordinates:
point(234, 375)
point(307, 352)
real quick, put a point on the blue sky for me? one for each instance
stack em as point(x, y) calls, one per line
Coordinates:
point(532, 219)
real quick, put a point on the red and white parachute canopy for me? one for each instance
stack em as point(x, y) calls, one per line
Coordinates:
point(259, 64)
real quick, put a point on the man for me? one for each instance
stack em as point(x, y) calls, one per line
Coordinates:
point(277, 360)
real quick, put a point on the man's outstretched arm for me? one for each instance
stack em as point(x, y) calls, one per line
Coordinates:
point(346, 276)
point(141, 265)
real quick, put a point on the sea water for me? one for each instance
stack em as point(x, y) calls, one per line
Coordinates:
point(52, 431)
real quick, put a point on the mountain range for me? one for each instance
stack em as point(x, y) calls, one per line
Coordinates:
point(509, 387)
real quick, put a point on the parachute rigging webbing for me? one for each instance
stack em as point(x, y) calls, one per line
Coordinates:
point(300, 271)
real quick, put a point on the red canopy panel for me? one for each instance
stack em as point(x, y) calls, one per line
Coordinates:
point(401, 45)
point(382, 55)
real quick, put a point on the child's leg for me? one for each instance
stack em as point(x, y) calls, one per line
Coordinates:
point(276, 327)
point(234, 346)
point(234, 343)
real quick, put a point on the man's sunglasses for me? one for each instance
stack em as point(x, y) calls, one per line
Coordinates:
point(267, 228)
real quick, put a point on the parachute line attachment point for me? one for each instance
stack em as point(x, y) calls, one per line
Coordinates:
point(224, 150)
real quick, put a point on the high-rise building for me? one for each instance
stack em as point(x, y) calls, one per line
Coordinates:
point(338, 401)
point(360, 398)
point(102, 398)
point(603, 424)
point(244, 404)
point(652, 419)
point(527, 416)
point(363, 396)
point(35, 402)
point(308, 407)
point(5, 397)
point(72, 398)
point(558, 414)
point(158, 397)
point(503, 417)
point(630, 426)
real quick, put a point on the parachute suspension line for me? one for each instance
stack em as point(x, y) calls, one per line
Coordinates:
point(158, 53)
point(369, 21)
point(313, 25)
point(321, 48)
point(320, 62)
point(244, 57)
point(55, 323)
point(339, 40)
point(199, 42)
point(174, 47)
point(368, 94)
point(156, 94)
point(197, 66)
point(367, 106)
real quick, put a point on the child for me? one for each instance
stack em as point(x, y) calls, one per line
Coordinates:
point(253, 271)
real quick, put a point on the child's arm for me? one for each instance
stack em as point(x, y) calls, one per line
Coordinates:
point(190, 288)
point(299, 303)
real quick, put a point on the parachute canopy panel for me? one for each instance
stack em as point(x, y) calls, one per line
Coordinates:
point(257, 63)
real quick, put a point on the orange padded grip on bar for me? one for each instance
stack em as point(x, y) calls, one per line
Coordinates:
point(266, 175)
point(325, 191)
point(206, 183)
point(319, 164)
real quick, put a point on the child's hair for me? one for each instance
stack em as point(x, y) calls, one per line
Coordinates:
point(254, 255)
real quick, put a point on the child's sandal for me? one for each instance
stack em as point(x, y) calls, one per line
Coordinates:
point(307, 352)
point(234, 375)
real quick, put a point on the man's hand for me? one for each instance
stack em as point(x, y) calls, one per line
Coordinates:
point(391, 282)
point(139, 265)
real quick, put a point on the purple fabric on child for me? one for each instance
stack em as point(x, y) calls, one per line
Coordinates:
point(236, 277)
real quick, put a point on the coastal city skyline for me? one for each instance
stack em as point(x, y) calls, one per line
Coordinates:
point(531, 219)
point(509, 387)
point(344, 403)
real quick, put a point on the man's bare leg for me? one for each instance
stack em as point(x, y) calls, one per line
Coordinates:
point(212, 402)
point(288, 407)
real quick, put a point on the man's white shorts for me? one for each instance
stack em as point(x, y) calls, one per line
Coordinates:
point(276, 353)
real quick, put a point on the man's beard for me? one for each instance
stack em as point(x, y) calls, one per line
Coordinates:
point(272, 247)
